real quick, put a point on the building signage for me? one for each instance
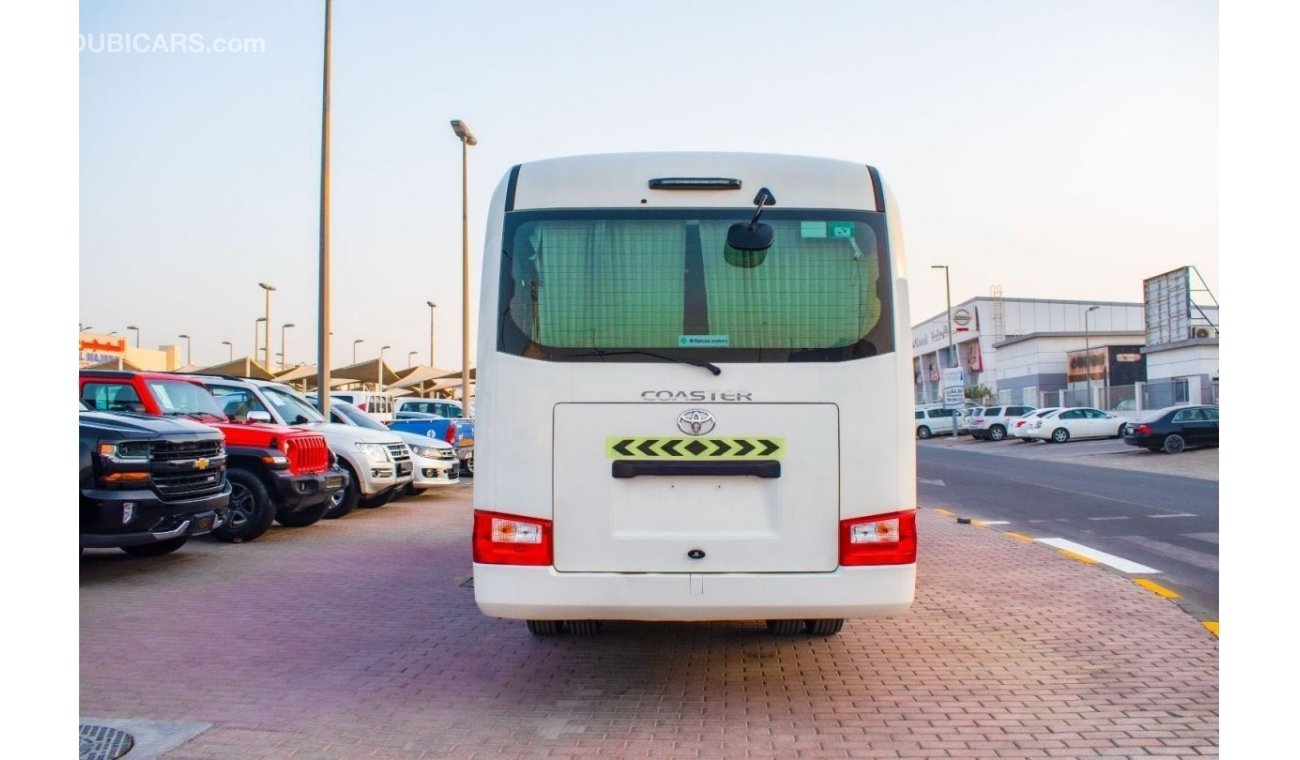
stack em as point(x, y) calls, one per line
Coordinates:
point(954, 387)
point(103, 348)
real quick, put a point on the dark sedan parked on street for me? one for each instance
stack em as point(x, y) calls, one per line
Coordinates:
point(1175, 428)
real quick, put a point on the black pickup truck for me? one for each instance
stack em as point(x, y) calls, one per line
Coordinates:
point(149, 483)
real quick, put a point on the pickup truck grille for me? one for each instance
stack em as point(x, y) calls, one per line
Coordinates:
point(171, 451)
point(399, 452)
point(176, 485)
point(308, 454)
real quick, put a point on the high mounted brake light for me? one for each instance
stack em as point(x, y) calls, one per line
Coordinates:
point(694, 183)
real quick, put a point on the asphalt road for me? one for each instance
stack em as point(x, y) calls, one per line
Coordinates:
point(1165, 522)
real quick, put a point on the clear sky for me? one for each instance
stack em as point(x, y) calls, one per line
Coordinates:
point(1055, 149)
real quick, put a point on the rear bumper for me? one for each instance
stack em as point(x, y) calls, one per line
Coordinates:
point(541, 593)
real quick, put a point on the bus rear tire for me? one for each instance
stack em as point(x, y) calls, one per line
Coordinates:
point(825, 626)
point(543, 627)
point(583, 627)
point(784, 627)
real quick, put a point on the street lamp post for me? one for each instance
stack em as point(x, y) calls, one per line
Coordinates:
point(410, 358)
point(952, 345)
point(323, 332)
point(466, 139)
point(188, 361)
point(354, 348)
point(231, 347)
point(267, 355)
point(380, 370)
point(284, 346)
point(256, 338)
point(137, 334)
point(432, 307)
point(1087, 352)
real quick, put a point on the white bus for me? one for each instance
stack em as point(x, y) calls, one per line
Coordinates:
point(694, 389)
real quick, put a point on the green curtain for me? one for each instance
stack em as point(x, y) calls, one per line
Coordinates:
point(807, 292)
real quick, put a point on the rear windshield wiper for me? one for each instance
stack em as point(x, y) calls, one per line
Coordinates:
point(678, 359)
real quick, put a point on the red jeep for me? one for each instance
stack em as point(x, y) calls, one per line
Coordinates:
point(276, 472)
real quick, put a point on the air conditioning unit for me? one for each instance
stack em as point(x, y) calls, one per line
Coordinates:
point(1202, 332)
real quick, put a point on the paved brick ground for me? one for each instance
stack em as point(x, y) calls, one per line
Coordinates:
point(356, 639)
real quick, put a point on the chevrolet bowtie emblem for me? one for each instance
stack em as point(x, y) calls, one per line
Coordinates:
point(200, 464)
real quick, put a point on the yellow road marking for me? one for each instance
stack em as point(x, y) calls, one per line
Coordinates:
point(1080, 557)
point(979, 523)
point(943, 511)
point(1020, 536)
point(1212, 625)
point(1156, 588)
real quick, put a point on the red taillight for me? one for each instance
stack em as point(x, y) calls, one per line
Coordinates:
point(511, 540)
point(1142, 430)
point(879, 539)
point(451, 433)
point(1020, 423)
point(361, 405)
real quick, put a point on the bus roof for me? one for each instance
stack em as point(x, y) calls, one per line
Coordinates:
point(623, 180)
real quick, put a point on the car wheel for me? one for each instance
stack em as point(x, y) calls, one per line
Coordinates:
point(543, 627)
point(1174, 444)
point(1060, 435)
point(344, 500)
point(1120, 434)
point(825, 626)
point(997, 433)
point(304, 517)
point(156, 549)
point(251, 509)
point(467, 467)
point(923, 432)
point(784, 627)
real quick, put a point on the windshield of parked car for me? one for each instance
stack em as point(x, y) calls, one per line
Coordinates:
point(355, 416)
point(184, 398)
point(293, 410)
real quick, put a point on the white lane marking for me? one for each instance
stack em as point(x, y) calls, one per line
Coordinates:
point(1176, 514)
point(1108, 518)
point(1110, 560)
point(931, 482)
point(996, 522)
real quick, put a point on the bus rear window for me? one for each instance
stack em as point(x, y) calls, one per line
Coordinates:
point(581, 285)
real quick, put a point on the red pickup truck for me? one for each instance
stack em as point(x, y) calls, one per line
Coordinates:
point(276, 472)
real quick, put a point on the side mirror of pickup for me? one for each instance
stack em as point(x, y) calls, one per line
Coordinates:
point(259, 417)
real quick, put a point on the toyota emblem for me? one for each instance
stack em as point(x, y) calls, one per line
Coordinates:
point(696, 422)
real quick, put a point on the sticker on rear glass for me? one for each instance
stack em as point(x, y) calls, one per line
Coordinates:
point(703, 341)
point(841, 229)
point(812, 229)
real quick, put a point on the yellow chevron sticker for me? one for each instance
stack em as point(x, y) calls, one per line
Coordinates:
point(628, 447)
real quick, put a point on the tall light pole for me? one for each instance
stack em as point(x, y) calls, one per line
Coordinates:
point(188, 361)
point(256, 333)
point(354, 348)
point(410, 358)
point(230, 346)
point(380, 370)
point(1087, 352)
point(952, 338)
point(323, 329)
point(137, 334)
point(432, 307)
point(466, 139)
point(284, 347)
point(268, 289)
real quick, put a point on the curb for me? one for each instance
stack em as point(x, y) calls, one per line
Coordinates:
point(1209, 621)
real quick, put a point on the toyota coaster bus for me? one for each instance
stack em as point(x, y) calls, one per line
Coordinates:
point(694, 394)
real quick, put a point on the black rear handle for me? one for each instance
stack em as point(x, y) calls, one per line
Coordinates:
point(630, 468)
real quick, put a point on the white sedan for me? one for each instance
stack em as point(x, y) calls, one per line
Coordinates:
point(1019, 428)
point(1076, 422)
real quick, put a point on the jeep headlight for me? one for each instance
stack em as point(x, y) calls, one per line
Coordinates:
point(375, 452)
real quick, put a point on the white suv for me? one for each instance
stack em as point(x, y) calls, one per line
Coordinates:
point(936, 421)
point(379, 462)
point(993, 422)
